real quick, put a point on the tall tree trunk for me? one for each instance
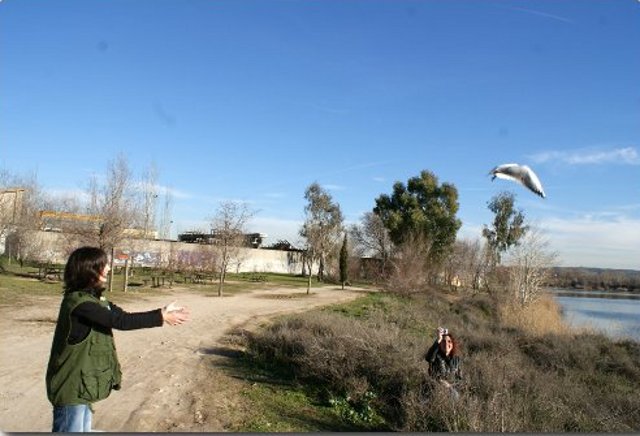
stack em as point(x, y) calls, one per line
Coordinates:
point(113, 253)
point(221, 281)
point(126, 275)
point(320, 269)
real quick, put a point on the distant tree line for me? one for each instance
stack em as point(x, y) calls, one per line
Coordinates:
point(594, 279)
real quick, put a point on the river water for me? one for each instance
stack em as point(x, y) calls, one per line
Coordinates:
point(616, 314)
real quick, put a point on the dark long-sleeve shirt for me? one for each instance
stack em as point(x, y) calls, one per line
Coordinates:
point(442, 366)
point(92, 315)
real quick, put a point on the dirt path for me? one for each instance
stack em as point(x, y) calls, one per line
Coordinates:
point(170, 381)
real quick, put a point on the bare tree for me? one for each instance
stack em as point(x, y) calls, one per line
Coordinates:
point(207, 261)
point(114, 203)
point(371, 238)
point(11, 195)
point(452, 266)
point(410, 270)
point(149, 199)
point(467, 264)
point(228, 226)
point(65, 213)
point(113, 208)
point(322, 228)
point(20, 208)
point(165, 219)
point(530, 263)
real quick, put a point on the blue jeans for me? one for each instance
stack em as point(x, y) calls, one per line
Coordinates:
point(75, 418)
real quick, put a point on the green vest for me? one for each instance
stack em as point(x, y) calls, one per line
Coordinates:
point(85, 372)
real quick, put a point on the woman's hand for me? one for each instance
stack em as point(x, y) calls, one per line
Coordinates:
point(446, 384)
point(440, 332)
point(173, 314)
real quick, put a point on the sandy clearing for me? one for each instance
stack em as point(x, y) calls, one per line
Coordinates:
point(170, 379)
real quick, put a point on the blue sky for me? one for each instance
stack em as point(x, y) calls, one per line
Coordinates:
point(254, 100)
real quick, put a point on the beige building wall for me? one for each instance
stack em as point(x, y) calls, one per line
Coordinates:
point(10, 205)
point(53, 247)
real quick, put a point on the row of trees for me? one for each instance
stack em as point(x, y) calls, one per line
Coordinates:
point(113, 207)
point(411, 237)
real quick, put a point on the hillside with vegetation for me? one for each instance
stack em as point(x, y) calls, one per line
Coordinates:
point(360, 367)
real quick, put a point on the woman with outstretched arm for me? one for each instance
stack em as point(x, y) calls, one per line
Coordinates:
point(83, 366)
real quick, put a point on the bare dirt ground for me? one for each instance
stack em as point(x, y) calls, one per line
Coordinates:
point(171, 377)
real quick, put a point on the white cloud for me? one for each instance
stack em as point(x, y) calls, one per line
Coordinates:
point(542, 14)
point(330, 187)
point(599, 240)
point(590, 156)
point(379, 179)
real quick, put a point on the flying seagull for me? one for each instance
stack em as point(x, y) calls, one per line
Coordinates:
point(521, 174)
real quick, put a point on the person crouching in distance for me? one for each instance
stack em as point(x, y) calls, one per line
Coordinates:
point(83, 365)
point(444, 361)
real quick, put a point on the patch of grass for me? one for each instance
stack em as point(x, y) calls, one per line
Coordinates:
point(273, 401)
point(20, 285)
point(276, 280)
point(289, 409)
point(14, 289)
point(362, 307)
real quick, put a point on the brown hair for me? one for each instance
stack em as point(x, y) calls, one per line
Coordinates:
point(83, 269)
point(454, 343)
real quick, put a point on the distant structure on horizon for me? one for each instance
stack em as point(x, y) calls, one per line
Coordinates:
point(252, 240)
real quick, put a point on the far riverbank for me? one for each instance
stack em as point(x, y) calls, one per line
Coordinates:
point(614, 313)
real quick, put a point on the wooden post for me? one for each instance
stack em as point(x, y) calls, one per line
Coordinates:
point(126, 275)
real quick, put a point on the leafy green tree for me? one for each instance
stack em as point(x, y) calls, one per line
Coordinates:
point(344, 262)
point(321, 229)
point(508, 225)
point(424, 208)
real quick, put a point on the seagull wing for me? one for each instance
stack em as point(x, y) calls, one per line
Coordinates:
point(531, 181)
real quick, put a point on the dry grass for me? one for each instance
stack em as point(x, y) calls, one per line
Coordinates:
point(520, 375)
point(539, 318)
